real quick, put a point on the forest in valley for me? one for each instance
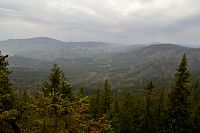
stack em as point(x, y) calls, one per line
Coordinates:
point(99, 66)
point(57, 108)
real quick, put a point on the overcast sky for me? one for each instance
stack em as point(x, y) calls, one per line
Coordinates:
point(119, 21)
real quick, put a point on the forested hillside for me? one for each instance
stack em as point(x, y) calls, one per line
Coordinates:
point(57, 107)
point(99, 66)
point(87, 64)
point(119, 89)
point(49, 49)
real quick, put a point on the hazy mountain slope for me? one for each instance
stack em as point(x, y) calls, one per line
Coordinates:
point(24, 62)
point(131, 69)
point(49, 49)
point(126, 67)
point(150, 53)
point(155, 62)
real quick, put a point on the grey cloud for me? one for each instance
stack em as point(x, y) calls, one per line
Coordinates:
point(123, 21)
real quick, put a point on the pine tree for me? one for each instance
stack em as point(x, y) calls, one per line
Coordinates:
point(95, 104)
point(195, 107)
point(106, 97)
point(128, 116)
point(148, 118)
point(58, 83)
point(125, 116)
point(5, 85)
point(8, 112)
point(178, 102)
point(25, 102)
point(160, 112)
point(55, 103)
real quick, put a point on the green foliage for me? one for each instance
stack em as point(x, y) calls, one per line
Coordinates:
point(101, 101)
point(81, 93)
point(5, 85)
point(195, 108)
point(95, 104)
point(160, 112)
point(106, 97)
point(8, 105)
point(55, 109)
point(179, 103)
point(57, 83)
point(148, 114)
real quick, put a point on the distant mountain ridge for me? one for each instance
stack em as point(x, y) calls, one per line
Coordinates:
point(45, 48)
point(88, 63)
point(24, 62)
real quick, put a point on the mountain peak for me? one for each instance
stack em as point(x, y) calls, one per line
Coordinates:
point(164, 46)
point(40, 39)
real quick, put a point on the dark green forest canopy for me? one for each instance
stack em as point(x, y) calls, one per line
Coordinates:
point(131, 68)
point(55, 107)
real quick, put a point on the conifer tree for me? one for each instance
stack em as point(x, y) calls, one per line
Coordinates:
point(128, 114)
point(125, 115)
point(55, 103)
point(195, 109)
point(5, 85)
point(57, 83)
point(178, 102)
point(160, 112)
point(95, 104)
point(8, 112)
point(106, 97)
point(148, 118)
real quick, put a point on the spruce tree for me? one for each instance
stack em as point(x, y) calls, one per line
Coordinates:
point(161, 113)
point(179, 99)
point(95, 104)
point(57, 83)
point(106, 97)
point(124, 121)
point(55, 103)
point(8, 112)
point(148, 118)
point(5, 85)
point(195, 109)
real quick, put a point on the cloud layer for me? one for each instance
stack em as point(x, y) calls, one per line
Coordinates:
point(119, 21)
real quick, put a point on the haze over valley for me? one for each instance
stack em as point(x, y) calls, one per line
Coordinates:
point(99, 66)
point(87, 64)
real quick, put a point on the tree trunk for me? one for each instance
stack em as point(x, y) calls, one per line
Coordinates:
point(15, 127)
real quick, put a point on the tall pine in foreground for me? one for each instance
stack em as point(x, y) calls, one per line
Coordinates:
point(179, 99)
point(95, 104)
point(148, 118)
point(58, 83)
point(8, 111)
point(54, 105)
point(106, 97)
